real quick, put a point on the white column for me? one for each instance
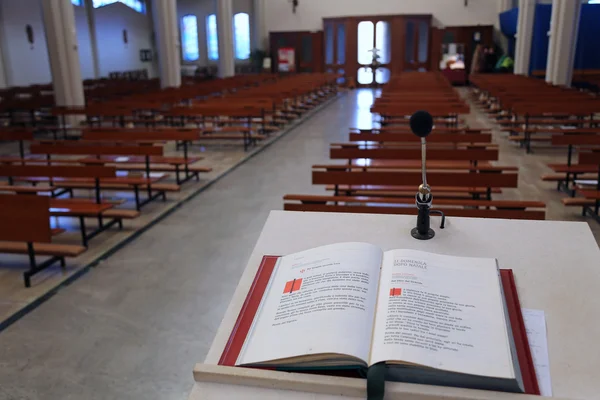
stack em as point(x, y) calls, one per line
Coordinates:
point(91, 20)
point(564, 32)
point(524, 35)
point(225, 31)
point(63, 52)
point(552, 40)
point(259, 33)
point(164, 13)
point(503, 5)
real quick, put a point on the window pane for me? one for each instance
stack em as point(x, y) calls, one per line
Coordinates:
point(382, 41)
point(137, 5)
point(410, 42)
point(365, 42)
point(382, 75)
point(423, 41)
point(329, 43)
point(212, 41)
point(341, 79)
point(341, 43)
point(365, 76)
point(76, 2)
point(189, 38)
point(241, 35)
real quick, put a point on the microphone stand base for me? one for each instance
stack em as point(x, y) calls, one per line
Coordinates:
point(415, 233)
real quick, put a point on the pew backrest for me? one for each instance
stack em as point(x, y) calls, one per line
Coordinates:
point(25, 218)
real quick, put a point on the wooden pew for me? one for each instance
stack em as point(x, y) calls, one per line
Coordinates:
point(61, 177)
point(564, 175)
point(344, 177)
point(353, 151)
point(454, 138)
point(351, 176)
point(148, 181)
point(25, 229)
point(17, 135)
point(161, 164)
point(590, 202)
point(385, 205)
point(239, 132)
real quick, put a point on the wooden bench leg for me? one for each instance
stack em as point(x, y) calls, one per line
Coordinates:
point(34, 268)
point(136, 191)
point(84, 237)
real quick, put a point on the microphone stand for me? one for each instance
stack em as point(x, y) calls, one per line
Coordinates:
point(424, 199)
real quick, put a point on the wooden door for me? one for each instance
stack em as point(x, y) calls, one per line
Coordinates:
point(335, 49)
point(416, 45)
point(308, 48)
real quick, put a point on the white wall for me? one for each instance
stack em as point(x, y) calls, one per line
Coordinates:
point(201, 9)
point(113, 53)
point(310, 13)
point(25, 64)
point(86, 61)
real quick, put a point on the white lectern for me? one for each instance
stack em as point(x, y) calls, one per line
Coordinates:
point(556, 267)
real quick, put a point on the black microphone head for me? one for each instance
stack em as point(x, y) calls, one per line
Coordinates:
point(421, 123)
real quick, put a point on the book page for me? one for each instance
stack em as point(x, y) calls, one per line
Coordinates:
point(442, 312)
point(318, 301)
point(535, 326)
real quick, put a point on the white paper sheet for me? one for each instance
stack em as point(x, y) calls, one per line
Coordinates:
point(535, 325)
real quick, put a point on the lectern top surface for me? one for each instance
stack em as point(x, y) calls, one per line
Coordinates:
point(556, 266)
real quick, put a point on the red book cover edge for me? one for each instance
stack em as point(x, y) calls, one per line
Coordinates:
point(520, 335)
point(263, 275)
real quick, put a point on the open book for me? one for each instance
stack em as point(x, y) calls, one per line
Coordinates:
point(431, 318)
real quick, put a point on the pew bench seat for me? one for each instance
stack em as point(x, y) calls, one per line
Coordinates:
point(226, 129)
point(577, 202)
point(383, 205)
point(27, 189)
point(562, 177)
point(43, 249)
point(410, 191)
point(178, 165)
point(124, 182)
point(574, 169)
point(522, 138)
point(140, 160)
point(87, 208)
point(483, 166)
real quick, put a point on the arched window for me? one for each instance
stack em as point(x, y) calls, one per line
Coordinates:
point(241, 36)
point(189, 38)
point(137, 5)
point(212, 37)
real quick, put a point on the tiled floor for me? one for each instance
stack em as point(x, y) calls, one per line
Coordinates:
point(134, 326)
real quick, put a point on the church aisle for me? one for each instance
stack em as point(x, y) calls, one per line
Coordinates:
point(135, 325)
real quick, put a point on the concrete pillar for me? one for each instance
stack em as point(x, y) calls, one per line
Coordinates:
point(91, 20)
point(552, 40)
point(164, 14)
point(258, 28)
point(225, 31)
point(524, 35)
point(564, 32)
point(63, 52)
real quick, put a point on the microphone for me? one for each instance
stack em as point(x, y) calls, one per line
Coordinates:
point(421, 124)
